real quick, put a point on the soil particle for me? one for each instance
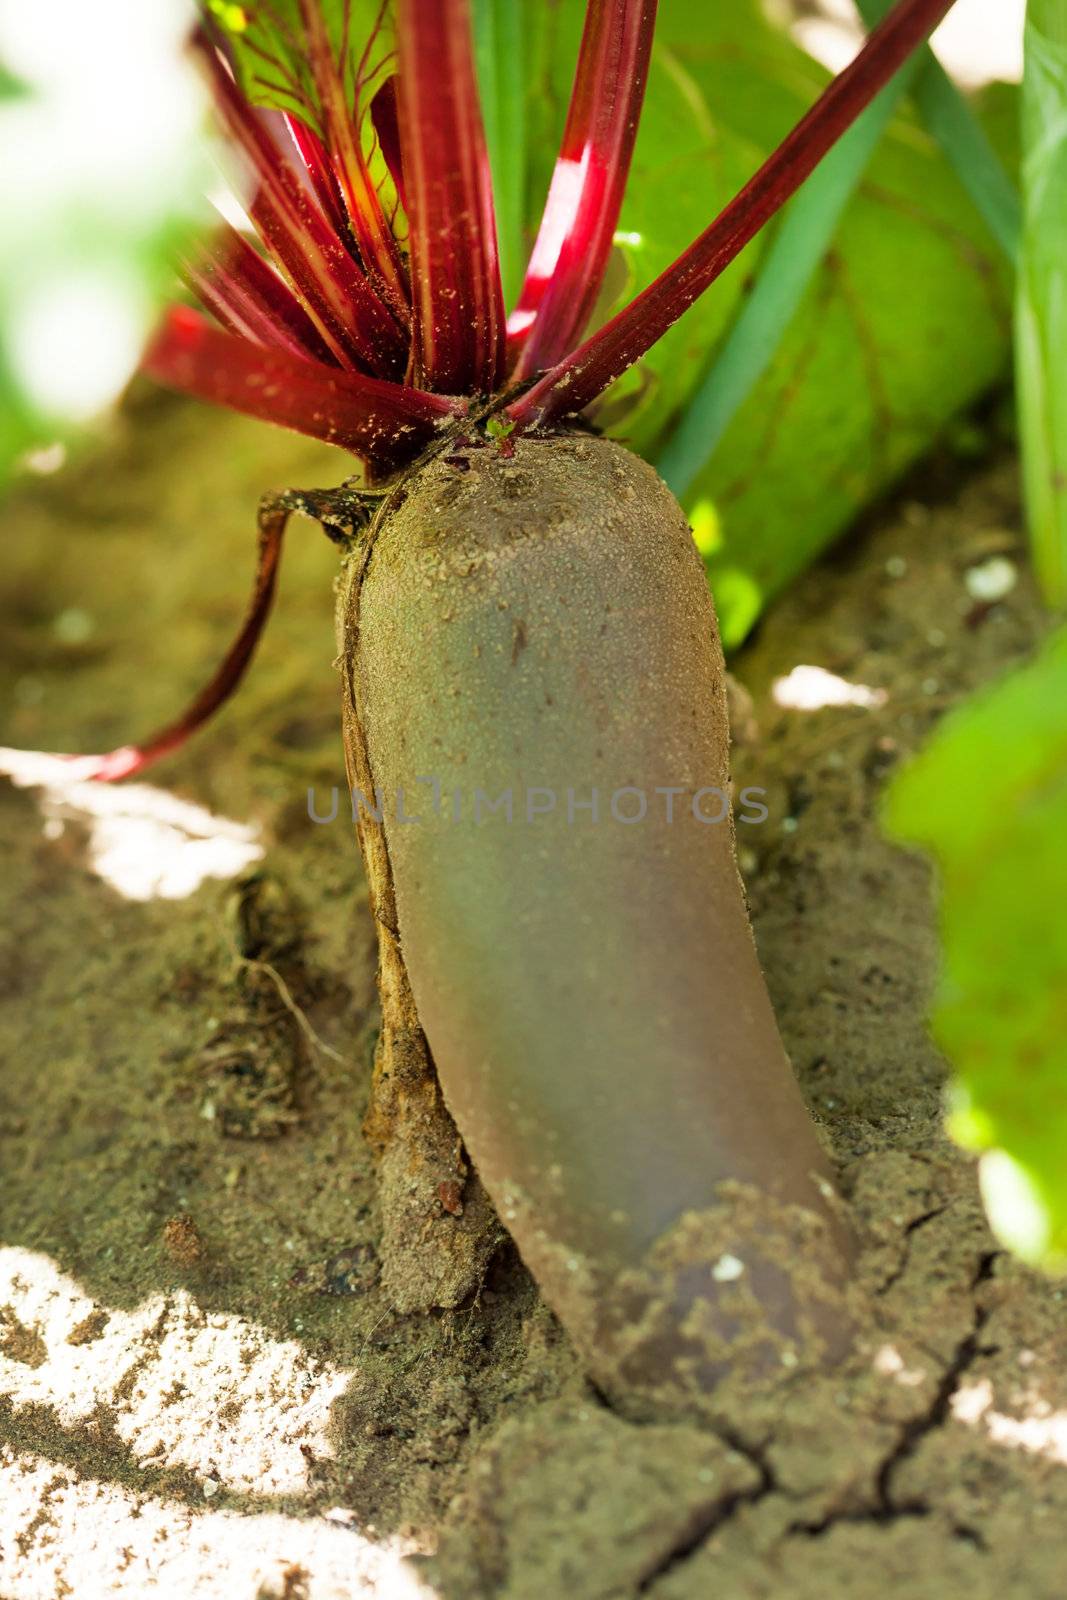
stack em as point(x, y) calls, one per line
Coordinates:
point(182, 1241)
point(361, 1451)
point(19, 1342)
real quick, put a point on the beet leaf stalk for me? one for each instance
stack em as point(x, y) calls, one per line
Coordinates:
point(527, 643)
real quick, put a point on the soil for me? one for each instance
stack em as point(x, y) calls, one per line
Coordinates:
point(204, 1389)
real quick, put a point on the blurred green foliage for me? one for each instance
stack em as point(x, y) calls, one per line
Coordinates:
point(988, 795)
point(988, 798)
point(952, 120)
point(102, 182)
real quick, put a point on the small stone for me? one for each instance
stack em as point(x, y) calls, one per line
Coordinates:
point(182, 1241)
point(991, 580)
point(727, 1269)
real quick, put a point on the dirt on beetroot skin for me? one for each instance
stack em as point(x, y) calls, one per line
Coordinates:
point(203, 1388)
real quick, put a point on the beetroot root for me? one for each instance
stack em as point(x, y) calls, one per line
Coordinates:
point(534, 687)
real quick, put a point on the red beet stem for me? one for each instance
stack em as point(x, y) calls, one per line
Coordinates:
point(130, 759)
point(342, 130)
point(359, 329)
point(315, 160)
point(242, 289)
point(456, 290)
point(384, 422)
point(570, 257)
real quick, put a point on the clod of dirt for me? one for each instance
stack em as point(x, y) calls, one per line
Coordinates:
point(182, 1241)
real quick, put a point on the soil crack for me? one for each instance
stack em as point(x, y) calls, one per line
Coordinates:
point(909, 1232)
point(915, 1431)
point(707, 1524)
point(888, 1508)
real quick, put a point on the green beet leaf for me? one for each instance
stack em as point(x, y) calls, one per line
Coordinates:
point(988, 798)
